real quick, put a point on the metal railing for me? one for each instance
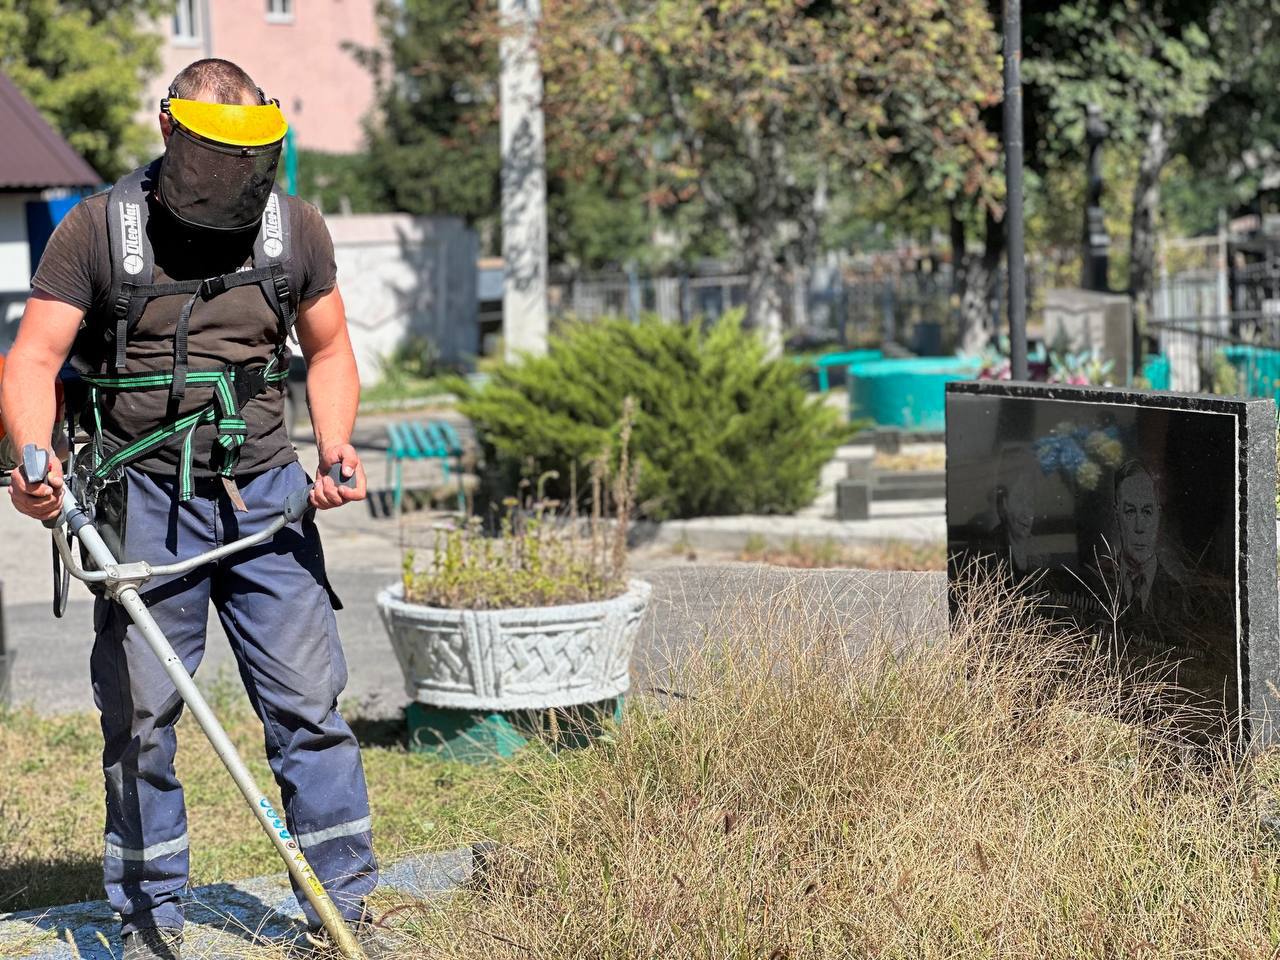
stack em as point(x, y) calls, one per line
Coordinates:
point(851, 306)
point(1236, 354)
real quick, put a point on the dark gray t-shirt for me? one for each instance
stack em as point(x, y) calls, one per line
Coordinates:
point(239, 326)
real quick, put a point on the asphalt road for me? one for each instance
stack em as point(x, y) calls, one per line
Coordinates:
point(362, 548)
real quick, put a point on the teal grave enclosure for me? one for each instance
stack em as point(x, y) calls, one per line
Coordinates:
point(480, 736)
point(906, 392)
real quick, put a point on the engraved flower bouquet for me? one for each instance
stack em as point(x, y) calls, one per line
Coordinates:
point(1080, 454)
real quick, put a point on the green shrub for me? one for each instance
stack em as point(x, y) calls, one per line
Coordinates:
point(720, 429)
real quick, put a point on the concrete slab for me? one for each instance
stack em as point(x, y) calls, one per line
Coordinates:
point(915, 521)
point(224, 920)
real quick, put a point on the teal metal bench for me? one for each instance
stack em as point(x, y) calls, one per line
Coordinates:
point(429, 440)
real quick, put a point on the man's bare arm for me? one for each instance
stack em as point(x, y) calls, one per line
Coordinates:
point(27, 398)
point(333, 395)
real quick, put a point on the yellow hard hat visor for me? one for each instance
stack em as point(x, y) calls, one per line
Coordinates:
point(232, 124)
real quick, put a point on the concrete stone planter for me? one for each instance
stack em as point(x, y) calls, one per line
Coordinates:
point(517, 659)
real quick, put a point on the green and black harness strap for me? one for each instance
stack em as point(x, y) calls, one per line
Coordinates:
point(232, 388)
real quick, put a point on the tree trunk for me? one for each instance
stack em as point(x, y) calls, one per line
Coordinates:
point(765, 293)
point(1142, 234)
point(979, 297)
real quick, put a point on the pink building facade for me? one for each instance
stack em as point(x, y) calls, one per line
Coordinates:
point(293, 49)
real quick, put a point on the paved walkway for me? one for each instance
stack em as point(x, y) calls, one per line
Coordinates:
point(224, 920)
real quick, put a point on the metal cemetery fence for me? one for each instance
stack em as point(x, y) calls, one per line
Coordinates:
point(1217, 316)
point(1237, 354)
point(850, 305)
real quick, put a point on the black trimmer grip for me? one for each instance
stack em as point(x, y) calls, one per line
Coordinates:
point(335, 474)
point(297, 504)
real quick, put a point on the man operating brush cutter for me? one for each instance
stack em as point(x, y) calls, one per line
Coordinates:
point(174, 295)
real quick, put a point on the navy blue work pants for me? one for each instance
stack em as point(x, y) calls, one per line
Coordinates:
point(275, 607)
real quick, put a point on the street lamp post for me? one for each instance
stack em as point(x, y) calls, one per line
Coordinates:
point(1016, 250)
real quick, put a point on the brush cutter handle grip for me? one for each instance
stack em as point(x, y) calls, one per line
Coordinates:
point(298, 504)
point(35, 463)
point(35, 469)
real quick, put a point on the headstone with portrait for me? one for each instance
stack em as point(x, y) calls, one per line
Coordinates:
point(1145, 519)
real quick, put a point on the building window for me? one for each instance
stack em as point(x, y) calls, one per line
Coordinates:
point(279, 11)
point(186, 22)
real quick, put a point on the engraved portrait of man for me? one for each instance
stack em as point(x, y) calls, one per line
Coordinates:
point(1137, 514)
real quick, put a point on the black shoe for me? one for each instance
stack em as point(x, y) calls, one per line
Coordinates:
point(153, 943)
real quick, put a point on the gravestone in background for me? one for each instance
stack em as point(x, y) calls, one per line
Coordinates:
point(1147, 519)
point(1076, 321)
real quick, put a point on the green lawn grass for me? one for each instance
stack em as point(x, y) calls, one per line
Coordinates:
point(51, 801)
point(402, 388)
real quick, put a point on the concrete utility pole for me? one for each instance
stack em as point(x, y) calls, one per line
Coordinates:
point(524, 182)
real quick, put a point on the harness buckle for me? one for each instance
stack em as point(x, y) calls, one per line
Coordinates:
point(212, 287)
point(248, 382)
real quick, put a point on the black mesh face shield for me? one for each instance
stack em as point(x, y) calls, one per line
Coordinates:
point(220, 161)
point(216, 186)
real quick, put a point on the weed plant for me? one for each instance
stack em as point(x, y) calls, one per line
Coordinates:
point(537, 556)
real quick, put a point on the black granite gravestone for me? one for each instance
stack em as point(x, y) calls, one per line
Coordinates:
point(1147, 519)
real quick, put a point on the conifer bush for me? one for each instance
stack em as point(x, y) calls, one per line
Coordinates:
point(720, 428)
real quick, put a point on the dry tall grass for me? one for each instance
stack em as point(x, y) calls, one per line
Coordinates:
point(818, 793)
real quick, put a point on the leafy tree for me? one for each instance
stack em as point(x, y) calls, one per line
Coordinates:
point(1230, 149)
point(434, 146)
point(751, 107)
point(600, 218)
point(83, 64)
point(1172, 77)
point(433, 137)
point(336, 182)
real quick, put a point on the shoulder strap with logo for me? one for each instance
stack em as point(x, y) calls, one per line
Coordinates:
point(132, 261)
point(271, 250)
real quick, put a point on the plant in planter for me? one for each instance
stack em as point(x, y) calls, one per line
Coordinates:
point(528, 621)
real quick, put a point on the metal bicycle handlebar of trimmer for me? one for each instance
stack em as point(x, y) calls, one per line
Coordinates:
point(123, 587)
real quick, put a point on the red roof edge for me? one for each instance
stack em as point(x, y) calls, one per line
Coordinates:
point(35, 155)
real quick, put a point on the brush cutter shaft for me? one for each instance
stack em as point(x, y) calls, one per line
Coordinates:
point(147, 571)
point(127, 596)
point(295, 508)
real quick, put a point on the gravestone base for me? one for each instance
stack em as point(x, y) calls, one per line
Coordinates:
point(479, 737)
point(911, 485)
point(853, 499)
point(888, 440)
